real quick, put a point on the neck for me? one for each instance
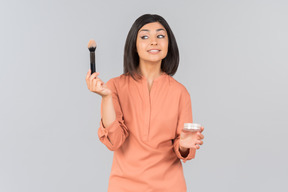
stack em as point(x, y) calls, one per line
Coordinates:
point(150, 70)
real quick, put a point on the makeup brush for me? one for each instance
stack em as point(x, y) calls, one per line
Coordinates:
point(92, 48)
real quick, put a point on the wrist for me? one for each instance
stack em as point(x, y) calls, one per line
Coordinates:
point(107, 97)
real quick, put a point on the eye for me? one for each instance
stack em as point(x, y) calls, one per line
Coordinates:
point(144, 37)
point(161, 36)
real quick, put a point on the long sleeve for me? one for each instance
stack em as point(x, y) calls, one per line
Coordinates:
point(115, 134)
point(185, 116)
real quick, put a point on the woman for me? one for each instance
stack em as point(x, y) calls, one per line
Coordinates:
point(143, 112)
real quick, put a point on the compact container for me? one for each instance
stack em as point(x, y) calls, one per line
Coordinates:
point(193, 127)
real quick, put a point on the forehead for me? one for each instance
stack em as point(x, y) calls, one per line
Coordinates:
point(152, 27)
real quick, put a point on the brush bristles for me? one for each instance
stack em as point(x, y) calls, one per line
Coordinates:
point(91, 44)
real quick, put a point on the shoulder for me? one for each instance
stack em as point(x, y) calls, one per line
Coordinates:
point(117, 81)
point(177, 86)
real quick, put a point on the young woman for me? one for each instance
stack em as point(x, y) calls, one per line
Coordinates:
point(143, 112)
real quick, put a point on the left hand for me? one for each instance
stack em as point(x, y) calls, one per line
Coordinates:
point(191, 139)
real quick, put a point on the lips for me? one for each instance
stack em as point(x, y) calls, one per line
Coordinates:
point(154, 50)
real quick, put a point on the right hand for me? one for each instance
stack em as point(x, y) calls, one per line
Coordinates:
point(96, 85)
point(191, 139)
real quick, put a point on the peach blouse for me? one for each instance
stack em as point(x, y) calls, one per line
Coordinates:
point(145, 135)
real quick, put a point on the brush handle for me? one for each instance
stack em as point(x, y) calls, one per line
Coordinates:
point(92, 62)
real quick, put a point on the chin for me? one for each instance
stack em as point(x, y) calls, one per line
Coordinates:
point(158, 59)
point(155, 60)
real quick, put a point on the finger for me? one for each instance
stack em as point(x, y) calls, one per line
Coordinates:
point(95, 84)
point(199, 142)
point(202, 129)
point(88, 75)
point(93, 76)
point(98, 84)
point(197, 146)
point(200, 135)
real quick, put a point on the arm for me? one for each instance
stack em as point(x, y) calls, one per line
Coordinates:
point(108, 111)
point(184, 116)
point(112, 131)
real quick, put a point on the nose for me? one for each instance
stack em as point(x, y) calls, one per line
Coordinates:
point(153, 41)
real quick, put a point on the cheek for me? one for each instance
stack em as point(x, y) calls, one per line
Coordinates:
point(165, 44)
point(140, 49)
point(165, 47)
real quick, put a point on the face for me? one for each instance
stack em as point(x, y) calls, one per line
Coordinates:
point(152, 42)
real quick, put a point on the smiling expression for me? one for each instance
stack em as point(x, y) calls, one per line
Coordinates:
point(152, 43)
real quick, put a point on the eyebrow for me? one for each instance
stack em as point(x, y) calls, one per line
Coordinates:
point(149, 30)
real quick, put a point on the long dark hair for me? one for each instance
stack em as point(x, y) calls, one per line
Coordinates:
point(169, 64)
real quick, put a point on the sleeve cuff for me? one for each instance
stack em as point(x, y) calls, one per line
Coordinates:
point(103, 131)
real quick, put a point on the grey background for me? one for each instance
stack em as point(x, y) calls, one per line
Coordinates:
point(233, 63)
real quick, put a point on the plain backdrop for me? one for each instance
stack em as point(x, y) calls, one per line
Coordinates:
point(233, 61)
